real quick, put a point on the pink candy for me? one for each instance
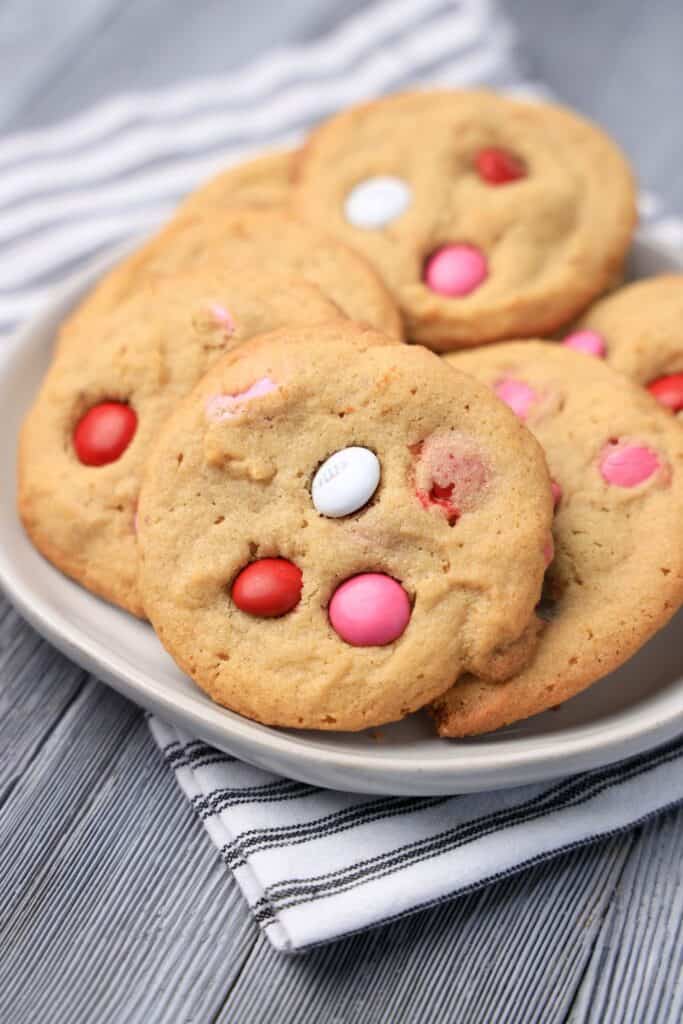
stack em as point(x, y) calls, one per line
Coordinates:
point(518, 395)
point(557, 493)
point(225, 407)
point(455, 270)
point(549, 550)
point(627, 465)
point(223, 317)
point(369, 610)
point(589, 342)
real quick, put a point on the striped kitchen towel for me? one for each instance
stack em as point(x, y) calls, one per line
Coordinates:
point(313, 864)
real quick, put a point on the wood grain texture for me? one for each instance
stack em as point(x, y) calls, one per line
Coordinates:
point(636, 971)
point(514, 952)
point(115, 905)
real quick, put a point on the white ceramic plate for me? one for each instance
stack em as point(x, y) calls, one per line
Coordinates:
point(633, 709)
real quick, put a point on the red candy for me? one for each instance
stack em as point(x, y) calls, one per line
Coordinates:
point(104, 432)
point(498, 166)
point(449, 473)
point(668, 391)
point(268, 588)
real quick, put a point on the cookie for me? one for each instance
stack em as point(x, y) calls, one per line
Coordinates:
point(333, 528)
point(488, 218)
point(638, 329)
point(262, 241)
point(85, 441)
point(264, 181)
point(617, 572)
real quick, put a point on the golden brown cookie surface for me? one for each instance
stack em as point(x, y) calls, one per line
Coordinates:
point(261, 241)
point(486, 216)
point(261, 475)
point(617, 572)
point(106, 399)
point(263, 181)
point(638, 329)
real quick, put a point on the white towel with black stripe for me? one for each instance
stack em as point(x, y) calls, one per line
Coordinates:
point(313, 864)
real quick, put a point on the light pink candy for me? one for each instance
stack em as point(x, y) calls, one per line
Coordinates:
point(627, 465)
point(455, 270)
point(223, 316)
point(549, 550)
point(557, 493)
point(589, 342)
point(225, 407)
point(369, 610)
point(518, 395)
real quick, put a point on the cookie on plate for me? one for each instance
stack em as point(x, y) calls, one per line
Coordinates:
point(333, 528)
point(263, 181)
point(617, 572)
point(638, 329)
point(102, 404)
point(488, 217)
point(261, 241)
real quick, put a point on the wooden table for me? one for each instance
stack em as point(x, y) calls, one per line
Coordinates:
point(114, 905)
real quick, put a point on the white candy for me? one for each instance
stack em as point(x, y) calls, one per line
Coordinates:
point(376, 202)
point(345, 482)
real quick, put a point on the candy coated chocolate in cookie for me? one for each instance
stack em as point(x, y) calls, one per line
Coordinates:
point(503, 218)
point(617, 572)
point(399, 595)
point(345, 482)
point(268, 588)
point(455, 270)
point(85, 442)
point(640, 329)
point(104, 432)
point(668, 391)
point(589, 342)
point(370, 610)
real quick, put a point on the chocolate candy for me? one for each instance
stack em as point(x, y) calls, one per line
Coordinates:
point(345, 482)
point(627, 465)
point(369, 610)
point(668, 391)
point(516, 394)
point(455, 270)
point(104, 432)
point(226, 407)
point(268, 588)
point(376, 202)
point(498, 166)
point(589, 342)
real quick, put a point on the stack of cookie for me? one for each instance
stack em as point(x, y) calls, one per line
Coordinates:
point(296, 429)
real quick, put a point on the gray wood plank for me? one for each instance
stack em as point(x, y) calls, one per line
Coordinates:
point(636, 970)
point(115, 906)
point(513, 953)
point(36, 687)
